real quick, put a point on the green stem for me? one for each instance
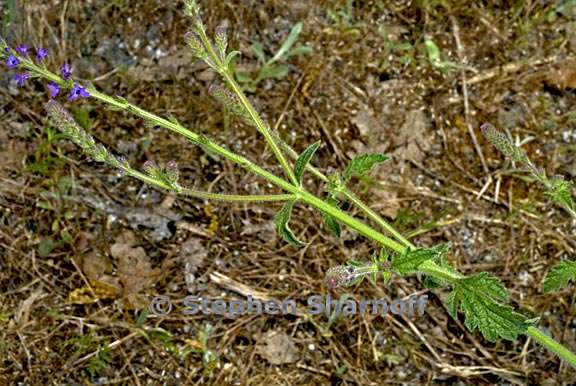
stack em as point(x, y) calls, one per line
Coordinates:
point(296, 192)
point(552, 345)
point(207, 195)
point(204, 142)
point(224, 71)
point(355, 200)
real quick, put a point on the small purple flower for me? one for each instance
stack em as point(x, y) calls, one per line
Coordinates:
point(12, 61)
point(21, 78)
point(41, 53)
point(54, 89)
point(78, 92)
point(22, 49)
point(66, 71)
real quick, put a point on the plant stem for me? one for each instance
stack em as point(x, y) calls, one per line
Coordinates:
point(204, 142)
point(224, 71)
point(296, 191)
point(552, 345)
point(355, 200)
point(207, 195)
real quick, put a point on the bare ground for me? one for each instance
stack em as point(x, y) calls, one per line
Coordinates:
point(368, 86)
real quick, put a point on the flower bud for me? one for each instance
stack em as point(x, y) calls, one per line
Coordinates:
point(503, 143)
point(340, 275)
point(171, 172)
point(195, 44)
point(221, 40)
point(151, 168)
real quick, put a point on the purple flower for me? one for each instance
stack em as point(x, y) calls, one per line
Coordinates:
point(12, 61)
point(41, 53)
point(66, 71)
point(54, 89)
point(78, 92)
point(21, 78)
point(22, 49)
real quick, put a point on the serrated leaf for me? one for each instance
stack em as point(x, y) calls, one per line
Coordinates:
point(560, 275)
point(289, 42)
point(331, 223)
point(561, 192)
point(413, 258)
point(494, 320)
point(304, 159)
point(282, 219)
point(432, 282)
point(477, 297)
point(362, 164)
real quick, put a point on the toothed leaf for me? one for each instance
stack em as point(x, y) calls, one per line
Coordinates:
point(412, 259)
point(477, 297)
point(281, 220)
point(304, 159)
point(561, 192)
point(362, 164)
point(560, 275)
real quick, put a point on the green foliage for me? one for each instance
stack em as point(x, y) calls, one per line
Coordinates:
point(331, 223)
point(99, 361)
point(362, 164)
point(560, 275)
point(413, 258)
point(270, 68)
point(432, 282)
point(478, 298)
point(304, 159)
point(434, 56)
point(281, 220)
point(560, 192)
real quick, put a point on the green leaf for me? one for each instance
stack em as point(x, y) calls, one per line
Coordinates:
point(46, 246)
point(281, 220)
point(477, 297)
point(433, 51)
point(561, 192)
point(301, 50)
point(82, 116)
point(294, 32)
point(362, 164)
point(273, 71)
point(243, 77)
point(331, 223)
point(304, 159)
point(230, 57)
point(258, 50)
point(413, 258)
point(560, 275)
point(432, 282)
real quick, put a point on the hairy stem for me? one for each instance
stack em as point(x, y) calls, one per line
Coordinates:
point(207, 195)
point(552, 345)
point(296, 192)
point(260, 125)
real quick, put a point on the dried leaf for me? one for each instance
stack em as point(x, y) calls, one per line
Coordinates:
point(277, 348)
